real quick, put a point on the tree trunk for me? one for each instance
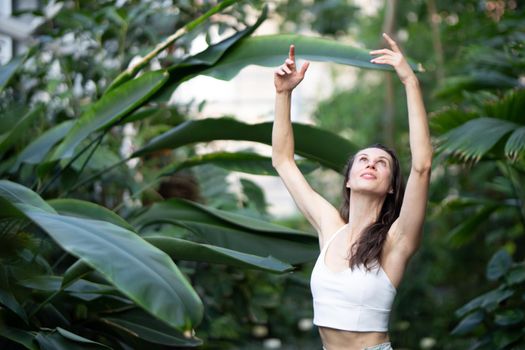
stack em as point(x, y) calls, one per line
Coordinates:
point(390, 107)
point(436, 40)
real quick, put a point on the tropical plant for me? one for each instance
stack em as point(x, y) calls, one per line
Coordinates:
point(484, 131)
point(77, 275)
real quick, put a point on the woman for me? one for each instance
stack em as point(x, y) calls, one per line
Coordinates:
point(365, 246)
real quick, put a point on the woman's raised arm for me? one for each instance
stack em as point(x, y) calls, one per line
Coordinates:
point(408, 227)
point(319, 212)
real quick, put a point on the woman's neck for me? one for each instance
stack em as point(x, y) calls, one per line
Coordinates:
point(364, 210)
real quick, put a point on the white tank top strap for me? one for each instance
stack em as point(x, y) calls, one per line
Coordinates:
point(325, 246)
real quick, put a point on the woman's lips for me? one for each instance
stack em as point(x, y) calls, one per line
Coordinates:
point(368, 176)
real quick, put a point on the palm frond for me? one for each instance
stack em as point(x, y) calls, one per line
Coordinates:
point(511, 107)
point(447, 119)
point(476, 81)
point(475, 138)
point(515, 144)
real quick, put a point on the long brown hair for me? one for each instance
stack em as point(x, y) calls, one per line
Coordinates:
point(367, 250)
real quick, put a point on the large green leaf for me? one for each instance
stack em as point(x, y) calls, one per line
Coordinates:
point(9, 69)
point(61, 339)
point(36, 151)
point(139, 270)
point(516, 275)
point(233, 231)
point(329, 149)
point(88, 210)
point(82, 289)
point(225, 60)
point(8, 300)
point(472, 140)
point(245, 162)
point(498, 265)
point(180, 249)
point(7, 297)
point(20, 197)
point(146, 327)
point(486, 301)
point(109, 109)
point(509, 317)
point(19, 336)
point(272, 50)
point(19, 130)
point(213, 53)
point(191, 211)
point(469, 323)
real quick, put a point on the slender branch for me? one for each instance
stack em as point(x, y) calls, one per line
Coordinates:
point(94, 176)
point(44, 303)
point(436, 40)
point(92, 151)
point(389, 25)
point(59, 172)
point(131, 71)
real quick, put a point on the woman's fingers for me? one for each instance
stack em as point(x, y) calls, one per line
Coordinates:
point(280, 72)
point(391, 42)
point(291, 54)
point(304, 68)
point(289, 65)
point(381, 52)
point(382, 61)
point(285, 68)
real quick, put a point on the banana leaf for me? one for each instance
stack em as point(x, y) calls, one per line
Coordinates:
point(152, 281)
point(324, 147)
point(109, 109)
point(245, 162)
point(232, 231)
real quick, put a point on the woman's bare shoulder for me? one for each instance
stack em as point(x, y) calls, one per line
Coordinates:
point(330, 225)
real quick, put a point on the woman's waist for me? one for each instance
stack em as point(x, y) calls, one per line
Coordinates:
point(337, 339)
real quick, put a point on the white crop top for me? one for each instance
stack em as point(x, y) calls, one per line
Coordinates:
point(352, 300)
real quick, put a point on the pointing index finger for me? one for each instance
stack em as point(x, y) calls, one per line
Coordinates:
point(291, 55)
point(391, 42)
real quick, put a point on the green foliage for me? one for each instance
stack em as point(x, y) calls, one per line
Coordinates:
point(72, 96)
point(494, 123)
point(482, 129)
point(496, 317)
point(327, 17)
point(332, 156)
point(96, 256)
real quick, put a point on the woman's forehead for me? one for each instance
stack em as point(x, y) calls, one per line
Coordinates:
point(374, 152)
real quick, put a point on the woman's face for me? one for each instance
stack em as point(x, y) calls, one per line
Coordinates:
point(371, 172)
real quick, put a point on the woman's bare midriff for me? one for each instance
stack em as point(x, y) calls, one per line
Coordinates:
point(336, 339)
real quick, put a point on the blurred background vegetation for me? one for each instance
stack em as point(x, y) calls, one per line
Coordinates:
point(67, 113)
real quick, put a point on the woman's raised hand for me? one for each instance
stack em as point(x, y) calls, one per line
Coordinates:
point(395, 58)
point(286, 76)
